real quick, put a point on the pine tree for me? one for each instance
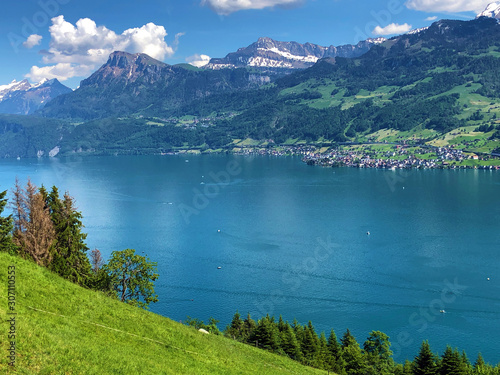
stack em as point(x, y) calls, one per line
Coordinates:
point(352, 355)
point(281, 324)
point(337, 363)
point(249, 326)
point(266, 335)
point(425, 362)
point(6, 227)
point(289, 343)
point(236, 329)
point(378, 352)
point(69, 259)
point(309, 343)
point(322, 355)
point(480, 366)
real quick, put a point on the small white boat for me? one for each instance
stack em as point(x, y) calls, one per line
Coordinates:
point(219, 267)
point(442, 311)
point(367, 233)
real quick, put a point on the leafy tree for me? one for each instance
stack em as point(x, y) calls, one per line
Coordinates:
point(425, 362)
point(132, 277)
point(6, 227)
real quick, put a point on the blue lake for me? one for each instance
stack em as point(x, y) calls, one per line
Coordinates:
point(345, 248)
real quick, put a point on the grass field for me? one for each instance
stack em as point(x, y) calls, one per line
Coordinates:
point(64, 329)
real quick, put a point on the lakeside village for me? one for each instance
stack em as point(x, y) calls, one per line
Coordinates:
point(383, 156)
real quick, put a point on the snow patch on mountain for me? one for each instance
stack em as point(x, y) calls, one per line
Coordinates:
point(492, 10)
point(288, 55)
point(416, 31)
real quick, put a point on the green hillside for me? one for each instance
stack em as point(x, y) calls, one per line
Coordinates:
point(62, 328)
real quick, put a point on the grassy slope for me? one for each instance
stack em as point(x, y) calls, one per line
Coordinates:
point(75, 341)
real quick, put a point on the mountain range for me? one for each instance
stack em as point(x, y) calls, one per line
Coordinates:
point(25, 98)
point(434, 79)
point(267, 53)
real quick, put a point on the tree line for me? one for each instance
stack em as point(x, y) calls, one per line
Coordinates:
point(345, 356)
point(47, 229)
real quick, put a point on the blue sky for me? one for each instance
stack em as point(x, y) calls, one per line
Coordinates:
point(69, 39)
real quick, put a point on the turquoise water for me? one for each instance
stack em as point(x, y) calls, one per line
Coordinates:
point(293, 240)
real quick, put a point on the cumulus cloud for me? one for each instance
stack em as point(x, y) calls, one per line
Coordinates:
point(33, 40)
point(433, 18)
point(61, 71)
point(448, 5)
point(198, 60)
point(226, 7)
point(391, 29)
point(83, 46)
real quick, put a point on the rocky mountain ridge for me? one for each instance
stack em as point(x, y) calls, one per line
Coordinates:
point(24, 98)
point(269, 53)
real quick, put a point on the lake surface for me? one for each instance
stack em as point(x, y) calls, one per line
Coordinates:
point(293, 240)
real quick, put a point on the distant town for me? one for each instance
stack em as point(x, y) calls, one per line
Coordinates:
point(383, 156)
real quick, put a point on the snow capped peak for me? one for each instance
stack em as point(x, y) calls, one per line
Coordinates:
point(492, 10)
point(14, 86)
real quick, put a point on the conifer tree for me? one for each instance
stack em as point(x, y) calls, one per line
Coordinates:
point(249, 326)
point(69, 259)
point(289, 343)
point(425, 362)
point(309, 343)
point(337, 363)
point(266, 335)
point(236, 329)
point(378, 352)
point(6, 227)
point(352, 355)
point(479, 365)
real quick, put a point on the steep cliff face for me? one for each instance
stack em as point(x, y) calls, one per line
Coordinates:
point(126, 68)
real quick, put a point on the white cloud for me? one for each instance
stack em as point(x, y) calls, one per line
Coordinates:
point(448, 5)
point(391, 29)
point(198, 60)
point(61, 71)
point(433, 18)
point(33, 40)
point(84, 46)
point(225, 7)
